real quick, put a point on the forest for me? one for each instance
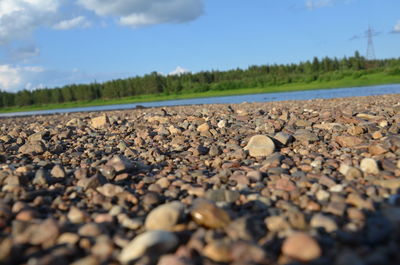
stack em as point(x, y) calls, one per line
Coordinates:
point(316, 70)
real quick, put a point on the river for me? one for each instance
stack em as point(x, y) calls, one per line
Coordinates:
point(266, 97)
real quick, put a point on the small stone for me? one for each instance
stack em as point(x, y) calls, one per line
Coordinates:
point(276, 223)
point(350, 173)
point(283, 138)
point(355, 130)
point(58, 172)
point(320, 220)
point(165, 216)
point(305, 135)
point(76, 216)
point(349, 141)
point(36, 147)
point(92, 182)
point(221, 124)
point(45, 233)
point(209, 215)
point(218, 251)
point(377, 149)
point(369, 166)
point(152, 243)
point(285, 184)
point(68, 238)
point(110, 190)
point(89, 230)
point(174, 260)
point(100, 122)
point(260, 145)
point(203, 128)
point(301, 247)
point(120, 163)
point(222, 195)
point(322, 195)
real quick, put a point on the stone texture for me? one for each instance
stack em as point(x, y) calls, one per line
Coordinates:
point(149, 243)
point(260, 145)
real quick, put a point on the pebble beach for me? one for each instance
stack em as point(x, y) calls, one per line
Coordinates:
point(290, 182)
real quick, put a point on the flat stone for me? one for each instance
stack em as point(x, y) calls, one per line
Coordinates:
point(301, 247)
point(283, 138)
point(305, 135)
point(209, 215)
point(260, 145)
point(152, 243)
point(349, 141)
point(165, 216)
point(369, 166)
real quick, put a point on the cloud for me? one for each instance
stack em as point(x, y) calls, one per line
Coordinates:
point(139, 13)
point(19, 18)
point(23, 54)
point(315, 4)
point(178, 71)
point(77, 22)
point(396, 28)
point(13, 78)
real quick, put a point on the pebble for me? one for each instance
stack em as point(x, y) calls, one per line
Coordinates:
point(164, 217)
point(369, 166)
point(150, 243)
point(100, 122)
point(260, 145)
point(84, 194)
point(209, 215)
point(325, 222)
point(34, 148)
point(301, 247)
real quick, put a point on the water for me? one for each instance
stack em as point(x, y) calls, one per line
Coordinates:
point(267, 97)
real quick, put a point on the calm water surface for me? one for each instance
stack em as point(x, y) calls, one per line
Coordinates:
point(267, 97)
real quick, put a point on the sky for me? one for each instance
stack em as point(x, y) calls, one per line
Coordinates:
point(50, 43)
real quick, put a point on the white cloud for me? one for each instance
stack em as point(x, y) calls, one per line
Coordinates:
point(13, 78)
point(315, 4)
point(77, 22)
point(396, 28)
point(19, 18)
point(178, 71)
point(138, 13)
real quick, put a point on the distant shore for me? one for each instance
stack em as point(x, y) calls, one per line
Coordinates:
point(367, 80)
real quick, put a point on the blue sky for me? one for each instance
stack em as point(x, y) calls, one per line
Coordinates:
point(47, 43)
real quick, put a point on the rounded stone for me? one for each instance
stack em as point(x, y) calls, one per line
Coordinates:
point(301, 247)
point(159, 242)
point(260, 145)
point(209, 215)
point(165, 216)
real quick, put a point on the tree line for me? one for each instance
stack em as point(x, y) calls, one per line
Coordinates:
point(324, 69)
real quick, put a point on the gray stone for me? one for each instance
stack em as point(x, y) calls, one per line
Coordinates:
point(153, 243)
